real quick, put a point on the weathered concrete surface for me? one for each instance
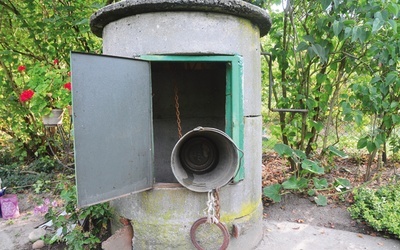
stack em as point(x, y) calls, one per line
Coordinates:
point(173, 33)
point(169, 212)
point(285, 235)
point(127, 8)
point(162, 217)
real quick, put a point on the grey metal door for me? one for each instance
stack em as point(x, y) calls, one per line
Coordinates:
point(112, 126)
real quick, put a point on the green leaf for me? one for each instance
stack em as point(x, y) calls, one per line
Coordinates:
point(362, 143)
point(396, 119)
point(295, 183)
point(83, 21)
point(393, 24)
point(391, 77)
point(300, 154)
point(371, 146)
point(337, 152)
point(394, 105)
point(311, 192)
point(354, 34)
point(320, 183)
point(321, 78)
point(380, 139)
point(302, 46)
point(312, 167)
point(273, 192)
point(347, 32)
point(321, 200)
point(283, 149)
point(317, 125)
point(309, 38)
point(393, 8)
point(362, 35)
point(358, 118)
point(337, 27)
point(377, 24)
point(325, 4)
point(342, 183)
point(319, 50)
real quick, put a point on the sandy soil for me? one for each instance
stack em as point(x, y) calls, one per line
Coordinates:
point(14, 232)
point(298, 209)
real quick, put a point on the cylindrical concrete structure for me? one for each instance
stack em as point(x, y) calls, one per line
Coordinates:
point(163, 216)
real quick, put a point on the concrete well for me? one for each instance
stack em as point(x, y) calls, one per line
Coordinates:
point(181, 30)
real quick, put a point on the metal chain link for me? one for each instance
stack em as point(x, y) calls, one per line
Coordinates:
point(177, 112)
point(213, 207)
point(217, 204)
point(213, 217)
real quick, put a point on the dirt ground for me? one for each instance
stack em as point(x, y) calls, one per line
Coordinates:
point(300, 208)
point(293, 207)
point(14, 232)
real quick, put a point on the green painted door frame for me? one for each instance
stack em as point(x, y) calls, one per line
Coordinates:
point(234, 124)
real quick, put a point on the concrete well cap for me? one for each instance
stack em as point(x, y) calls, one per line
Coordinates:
point(114, 12)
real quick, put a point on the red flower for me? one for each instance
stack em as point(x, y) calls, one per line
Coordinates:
point(68, 86)
point(26, 95)
point(55, 61)
point(21, 68)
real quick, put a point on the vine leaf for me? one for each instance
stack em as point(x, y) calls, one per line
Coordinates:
point(295, 183)
point(320, 183)
point(312, 167)
point(337, 152)
point(321, 200)
point(273, 192)
point(283, 149)
point(342, 184)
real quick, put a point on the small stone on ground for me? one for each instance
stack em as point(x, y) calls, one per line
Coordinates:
point(37, 234)
point(38, 244)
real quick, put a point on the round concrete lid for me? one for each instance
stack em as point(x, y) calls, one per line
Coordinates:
point(122, 9)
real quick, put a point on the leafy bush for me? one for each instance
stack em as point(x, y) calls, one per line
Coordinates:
point(35, 45)
point(82, 228)
point(18, 176)
point(380, 208)
point(307, 178)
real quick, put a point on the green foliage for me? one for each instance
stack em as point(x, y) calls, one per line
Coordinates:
point(273, 192)
point(342, 184)
point(336, 61)
point(312, 167)
point(320, 183)
point(380, 208)
point(48, 84)
point(19, 176)
point(321, 200)
point(333, 150)
point(307, 179)
point(76, 235)
point(35, 42)
point(295, 183)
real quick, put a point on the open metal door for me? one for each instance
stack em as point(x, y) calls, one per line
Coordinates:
point(112, 126)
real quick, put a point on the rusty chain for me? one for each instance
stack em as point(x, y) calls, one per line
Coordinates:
point(177, 112)
point(213, 217)
point(217, 204)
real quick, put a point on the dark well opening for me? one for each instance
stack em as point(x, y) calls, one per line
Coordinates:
point(200, 91)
